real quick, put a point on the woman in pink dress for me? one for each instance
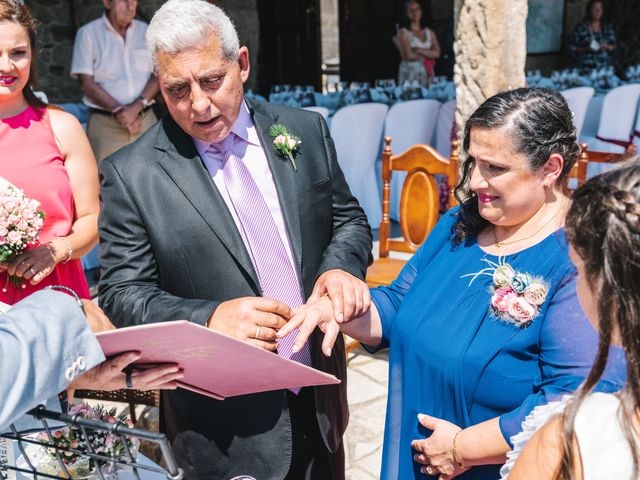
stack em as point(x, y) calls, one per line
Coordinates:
point(44, 152)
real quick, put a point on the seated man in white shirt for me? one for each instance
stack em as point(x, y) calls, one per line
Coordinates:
point(111, 61)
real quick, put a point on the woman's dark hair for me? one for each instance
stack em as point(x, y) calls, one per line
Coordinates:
point(405, 22)
point(539, 124)
point(603, 226)
point(15, 12)
point(588, 9)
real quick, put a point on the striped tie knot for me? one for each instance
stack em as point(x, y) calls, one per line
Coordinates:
point(224, 146)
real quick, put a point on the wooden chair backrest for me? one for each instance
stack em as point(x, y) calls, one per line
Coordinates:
point(419, 200)
point(579, 170)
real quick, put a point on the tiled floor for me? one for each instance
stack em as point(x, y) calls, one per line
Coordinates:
point(367, 391)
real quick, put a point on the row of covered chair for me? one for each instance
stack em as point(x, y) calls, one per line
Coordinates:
point(357, 131)
point(619, 120)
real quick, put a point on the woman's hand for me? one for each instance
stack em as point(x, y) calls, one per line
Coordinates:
point(110, 375)
point(315, 313)
point(436, 452)
point(36, 263)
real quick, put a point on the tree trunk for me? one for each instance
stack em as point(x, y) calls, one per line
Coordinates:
point(490, 48)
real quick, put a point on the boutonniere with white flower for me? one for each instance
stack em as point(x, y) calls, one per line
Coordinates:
point(284, 142)
point(516, 297)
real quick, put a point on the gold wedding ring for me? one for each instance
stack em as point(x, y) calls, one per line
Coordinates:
point(257, 335)
point(32, 270)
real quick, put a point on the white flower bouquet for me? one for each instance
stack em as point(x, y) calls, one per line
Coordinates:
point(20, 223)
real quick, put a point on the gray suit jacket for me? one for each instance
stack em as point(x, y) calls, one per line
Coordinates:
point(45, 343)
point(171, 250)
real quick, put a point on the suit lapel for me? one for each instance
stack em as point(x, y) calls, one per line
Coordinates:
point(184, 166)
point(284, 178)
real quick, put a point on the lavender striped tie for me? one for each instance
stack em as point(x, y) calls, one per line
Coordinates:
point(276, 274)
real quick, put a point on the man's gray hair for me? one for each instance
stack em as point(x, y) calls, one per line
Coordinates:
point(184, 24)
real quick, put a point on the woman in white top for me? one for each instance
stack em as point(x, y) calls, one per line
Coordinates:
point(596, 436)
point(419, 48)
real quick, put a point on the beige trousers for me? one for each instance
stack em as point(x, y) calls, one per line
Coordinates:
point(106, 135)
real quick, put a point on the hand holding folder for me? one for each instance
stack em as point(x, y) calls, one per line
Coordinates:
point(214, 364)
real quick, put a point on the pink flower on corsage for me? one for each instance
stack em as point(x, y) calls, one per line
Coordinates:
point(516, 297)
point(522, 311)
point(502, 298)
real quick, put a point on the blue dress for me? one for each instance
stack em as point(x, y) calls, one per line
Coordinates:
point(450, 357)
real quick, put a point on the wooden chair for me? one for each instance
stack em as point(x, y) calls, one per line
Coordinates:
point(579, 170)
point(419, 203)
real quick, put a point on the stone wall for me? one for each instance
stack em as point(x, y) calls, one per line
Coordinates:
point(60, 19)
point(329, 31)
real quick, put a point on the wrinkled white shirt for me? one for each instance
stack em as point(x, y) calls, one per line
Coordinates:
point(122, 68)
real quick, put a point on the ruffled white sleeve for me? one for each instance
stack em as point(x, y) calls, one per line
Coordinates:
point(531, 424)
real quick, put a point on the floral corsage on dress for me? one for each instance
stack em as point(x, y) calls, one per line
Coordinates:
point(516, 297)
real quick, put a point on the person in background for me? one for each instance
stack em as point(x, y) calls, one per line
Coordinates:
point(111, 61)
point(419, 48)
point(593, 42)
point(596, 435)
point(45, 153)
point(483, 323)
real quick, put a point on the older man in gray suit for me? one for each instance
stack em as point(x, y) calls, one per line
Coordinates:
point(231, 214)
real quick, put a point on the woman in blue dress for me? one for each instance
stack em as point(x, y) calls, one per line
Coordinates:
point(483, 323)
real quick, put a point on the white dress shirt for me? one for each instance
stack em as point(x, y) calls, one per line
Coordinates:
point(122, 68)
point(247, 148)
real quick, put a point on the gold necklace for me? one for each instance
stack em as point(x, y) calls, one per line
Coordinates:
point(498, 244)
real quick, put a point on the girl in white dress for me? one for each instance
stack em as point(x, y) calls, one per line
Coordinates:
point(596, 435)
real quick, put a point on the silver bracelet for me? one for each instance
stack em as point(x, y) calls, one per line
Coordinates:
point(68, 290)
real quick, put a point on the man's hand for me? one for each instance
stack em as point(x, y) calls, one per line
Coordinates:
point(128, 114)
point(135, 127)
point(251, 319)
point(317, 313)
point(110, 375)
point(349, 295)
point(96, 318)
